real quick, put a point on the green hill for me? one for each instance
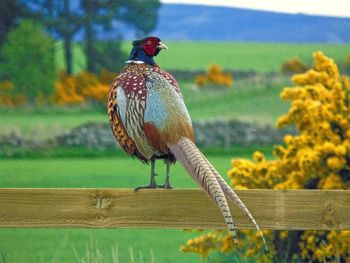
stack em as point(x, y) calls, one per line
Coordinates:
point(260, 57)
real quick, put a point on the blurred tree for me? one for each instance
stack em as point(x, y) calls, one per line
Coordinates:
point(65, 18)
point(60, 20)
point(108, 56)
point(66, 25)
point(142, 14)
point(29, 57)
point(10, 11)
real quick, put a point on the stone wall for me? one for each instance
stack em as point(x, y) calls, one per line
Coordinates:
point(207, 134)
point(227, 133)
point(90, 135)
point(189, 75)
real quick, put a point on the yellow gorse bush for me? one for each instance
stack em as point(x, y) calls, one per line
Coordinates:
point(83, 87)
point(7, 96)
point(66, 92)
point(216, 76)
point(69, 90)
point(318, 157)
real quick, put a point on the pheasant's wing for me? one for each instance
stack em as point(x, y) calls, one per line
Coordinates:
point(166, 118)
point(116, 122)
point(130, 107)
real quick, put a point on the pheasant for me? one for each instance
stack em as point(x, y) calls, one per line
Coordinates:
point(150, 121)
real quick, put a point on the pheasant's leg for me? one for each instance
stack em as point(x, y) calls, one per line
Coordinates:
point(167, 185)
point(152, 183)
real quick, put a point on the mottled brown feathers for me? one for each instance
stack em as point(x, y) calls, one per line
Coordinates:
point(117, 126)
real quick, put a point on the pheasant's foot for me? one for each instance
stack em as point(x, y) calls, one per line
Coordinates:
point(150, 186)
point(166, 186)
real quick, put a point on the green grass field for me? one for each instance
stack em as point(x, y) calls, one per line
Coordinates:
point(261, 57)
point(43, 124)
point(61, 245)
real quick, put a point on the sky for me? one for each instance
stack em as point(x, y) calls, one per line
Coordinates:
point(339, 8)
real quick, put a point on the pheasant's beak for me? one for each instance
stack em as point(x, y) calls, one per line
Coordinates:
point(162, 46)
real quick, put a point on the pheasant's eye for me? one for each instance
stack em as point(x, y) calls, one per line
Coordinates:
point(149, 42)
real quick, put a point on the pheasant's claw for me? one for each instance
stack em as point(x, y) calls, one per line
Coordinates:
point(150, 186)
point(165, 186)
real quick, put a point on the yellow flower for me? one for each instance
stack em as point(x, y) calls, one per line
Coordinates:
point(283, 234)
point(75, 89)
point(332, 181)
point(288, 139)
point(335, 162)
point(328, 147)
point(6, 85)
point(310, 239)
point(340, 150)
point(216, 76)
point(258, 156)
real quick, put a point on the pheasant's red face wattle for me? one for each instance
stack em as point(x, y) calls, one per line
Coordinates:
point(150, 45)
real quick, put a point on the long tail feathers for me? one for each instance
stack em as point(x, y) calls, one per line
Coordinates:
point(210, 180)
point(192, 159)
point(234, 197)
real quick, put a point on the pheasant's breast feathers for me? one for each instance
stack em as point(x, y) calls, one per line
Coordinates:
point(147, 109)
point(133, 84)
point(136, 75)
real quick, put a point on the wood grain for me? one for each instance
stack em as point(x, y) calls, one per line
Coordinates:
point(115, 208)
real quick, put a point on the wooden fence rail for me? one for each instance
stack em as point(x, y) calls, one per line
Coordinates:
point(113, 208)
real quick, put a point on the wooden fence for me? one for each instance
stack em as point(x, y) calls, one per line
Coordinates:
point(114, 208)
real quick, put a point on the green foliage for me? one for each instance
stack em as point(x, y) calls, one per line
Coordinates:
point(79, 62)
point(28, 56)
point(59, 19)
point(110, 56)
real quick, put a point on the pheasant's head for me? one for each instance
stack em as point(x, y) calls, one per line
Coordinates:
point(145, 49)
